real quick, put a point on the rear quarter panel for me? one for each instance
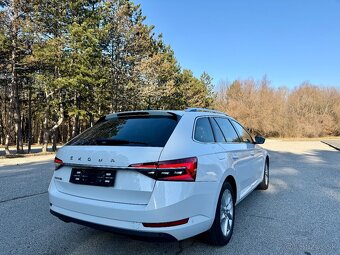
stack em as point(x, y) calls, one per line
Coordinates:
point(214, 164)
point(181, 145)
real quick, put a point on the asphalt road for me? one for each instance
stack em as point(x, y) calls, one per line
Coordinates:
point(298, 214)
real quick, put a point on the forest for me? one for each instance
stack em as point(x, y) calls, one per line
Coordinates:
point(305, 111)
point(64, 64)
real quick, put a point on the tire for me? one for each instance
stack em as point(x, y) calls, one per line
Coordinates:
point(222, 229)
point(265, 181)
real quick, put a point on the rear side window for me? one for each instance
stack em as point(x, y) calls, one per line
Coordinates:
point(203, 132)
point(244, 135)
point(151, 131)
point(229, 132)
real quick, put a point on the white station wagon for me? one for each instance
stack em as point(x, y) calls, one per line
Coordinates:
point(168, 174)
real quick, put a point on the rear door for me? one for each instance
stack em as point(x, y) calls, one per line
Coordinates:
point(238, 154)
point(105, 152)
point(255, 160)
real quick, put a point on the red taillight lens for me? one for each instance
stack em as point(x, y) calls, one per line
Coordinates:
point(166, 224)
point(178, 170)
point(58, 163)
point(171, 170)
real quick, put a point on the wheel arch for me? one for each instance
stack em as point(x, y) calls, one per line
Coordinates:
point(230, 179)
point(233, 184)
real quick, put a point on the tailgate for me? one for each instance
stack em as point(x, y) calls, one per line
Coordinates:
point(129, 186)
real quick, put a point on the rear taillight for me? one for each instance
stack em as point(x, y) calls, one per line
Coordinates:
point(171, 170)
point(58, 163)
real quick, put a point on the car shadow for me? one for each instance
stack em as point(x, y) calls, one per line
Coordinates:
point(280, 220)
point(298, 181)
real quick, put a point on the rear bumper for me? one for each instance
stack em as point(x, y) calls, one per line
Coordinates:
point(163, 236)
point(195, 201)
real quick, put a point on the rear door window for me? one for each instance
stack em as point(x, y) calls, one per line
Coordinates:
point(229, 132)
point(203, 131)
point(151, 131)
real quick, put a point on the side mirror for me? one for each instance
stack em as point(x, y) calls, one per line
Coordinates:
point(259, 140)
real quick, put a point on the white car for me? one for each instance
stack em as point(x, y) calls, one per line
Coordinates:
point(168, 174)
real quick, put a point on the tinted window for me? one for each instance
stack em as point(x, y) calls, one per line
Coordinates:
point(229, 132)
point(245, 137)
point(153, 131)
point(217, 131)
point(203, 132)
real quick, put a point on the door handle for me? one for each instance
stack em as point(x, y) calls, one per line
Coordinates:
point(252, 153)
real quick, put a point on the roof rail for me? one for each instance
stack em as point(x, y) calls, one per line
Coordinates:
point(203, 110)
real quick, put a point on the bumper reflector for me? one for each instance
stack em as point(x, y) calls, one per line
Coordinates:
point(166, 224)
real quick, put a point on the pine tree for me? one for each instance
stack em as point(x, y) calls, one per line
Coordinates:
point(74, 61)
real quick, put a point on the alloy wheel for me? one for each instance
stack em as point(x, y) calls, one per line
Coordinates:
point(226, 212)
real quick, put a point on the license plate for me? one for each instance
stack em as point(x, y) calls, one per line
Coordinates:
point(93, 176)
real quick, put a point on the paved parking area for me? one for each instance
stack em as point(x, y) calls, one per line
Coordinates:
point(333, 143)
point(298, 214)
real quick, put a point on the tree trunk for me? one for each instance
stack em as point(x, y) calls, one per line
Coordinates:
point(40, 128)
point(7, 145)
point(46, 137)
point(29, 127)
point(51, 132)
point(14, 79)
point(2, 129)
point(54, 141)
point(46, 134)
point(69, 130)
point(55, 127)
point(5, 123)
point(91, 120)
point(75, 128)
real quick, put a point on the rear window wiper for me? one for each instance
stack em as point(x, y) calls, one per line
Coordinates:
point(107, 141)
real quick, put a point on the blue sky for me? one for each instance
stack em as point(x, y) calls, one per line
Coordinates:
point(290, 41)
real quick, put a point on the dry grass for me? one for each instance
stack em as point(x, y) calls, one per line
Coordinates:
point(305, 138)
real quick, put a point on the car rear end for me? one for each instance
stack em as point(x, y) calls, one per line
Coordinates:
point(113, 176)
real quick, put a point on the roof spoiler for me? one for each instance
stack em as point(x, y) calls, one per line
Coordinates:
point(139, 114)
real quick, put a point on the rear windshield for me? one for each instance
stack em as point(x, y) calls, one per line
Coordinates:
point(151, 131)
